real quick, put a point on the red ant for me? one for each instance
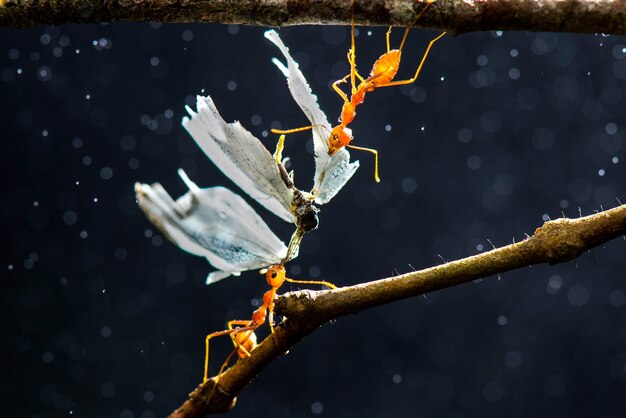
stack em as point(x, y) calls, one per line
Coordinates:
point(382, 74)
point(242, 331)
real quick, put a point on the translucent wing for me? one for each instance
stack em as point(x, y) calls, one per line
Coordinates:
point(240, 156)
point(331, 172)
point(214, 223)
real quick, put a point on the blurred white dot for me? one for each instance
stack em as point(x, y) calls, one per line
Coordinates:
point(314, 271)
point(148, 396)
point(233, 29)
point(105, 332)
point(615, 160)
point(120, 254)
point(617, 298)
point(44, 133)
point(154, 61)
point(610, 128)
point(231, 85)
point(87, 160)
point(126, 413)
point(148, 233)
point(409, 185)
point(514, 73)
point(70, 217)
point(295, 269)
point(545, 217)
point(512, 359)
point(578, 295)
point(187, 35)
point(35, 203)
point(77, 143)
point(474, 162)
point(502, 320)
point(396, 379)
point(564, 204)
point(514, 52)
point(479, 247)
point(554, 285)
point(482, 60)
point(83, 234)
point(106, 173)
point(317, 408)
point(464, 135)
point(88, 96)
point(44, 73)
point(493, 391)
point(95, 200)
point(601, 172)
point(47, 357)
point(388, 128)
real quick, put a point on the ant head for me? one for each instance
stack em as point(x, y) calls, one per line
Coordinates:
point(275, 275)
point(340, 136)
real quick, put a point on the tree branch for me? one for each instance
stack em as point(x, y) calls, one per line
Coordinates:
point(555, 242)
point(455, 16)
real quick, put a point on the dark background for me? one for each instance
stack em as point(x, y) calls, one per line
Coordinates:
point(102, 317)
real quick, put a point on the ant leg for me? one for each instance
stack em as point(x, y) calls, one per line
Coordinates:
point(278, 155)
point(352, 62)
point(373, 151)
point(338, 90)
point(406, 32)
point(229, 331)
point(292, 131)
point(352, 55)
point(387, 35)
point(320, 282)
point(419, 69)
point(219, 375)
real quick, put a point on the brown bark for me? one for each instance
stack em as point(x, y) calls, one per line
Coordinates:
point(455, 16)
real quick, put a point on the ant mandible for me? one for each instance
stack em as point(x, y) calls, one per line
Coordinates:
point(382, 75)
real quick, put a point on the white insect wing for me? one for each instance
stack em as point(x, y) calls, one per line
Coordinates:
point(331, 172)
point(240, 156)
point(214, 223)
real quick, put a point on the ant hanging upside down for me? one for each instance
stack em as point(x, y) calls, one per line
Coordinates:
point(382, 74)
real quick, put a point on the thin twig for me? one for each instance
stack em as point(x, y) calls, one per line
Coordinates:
point(455, 16)
point(555, 242)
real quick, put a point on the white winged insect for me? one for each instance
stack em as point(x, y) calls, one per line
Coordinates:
point(214, 223)
point(245, 160)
